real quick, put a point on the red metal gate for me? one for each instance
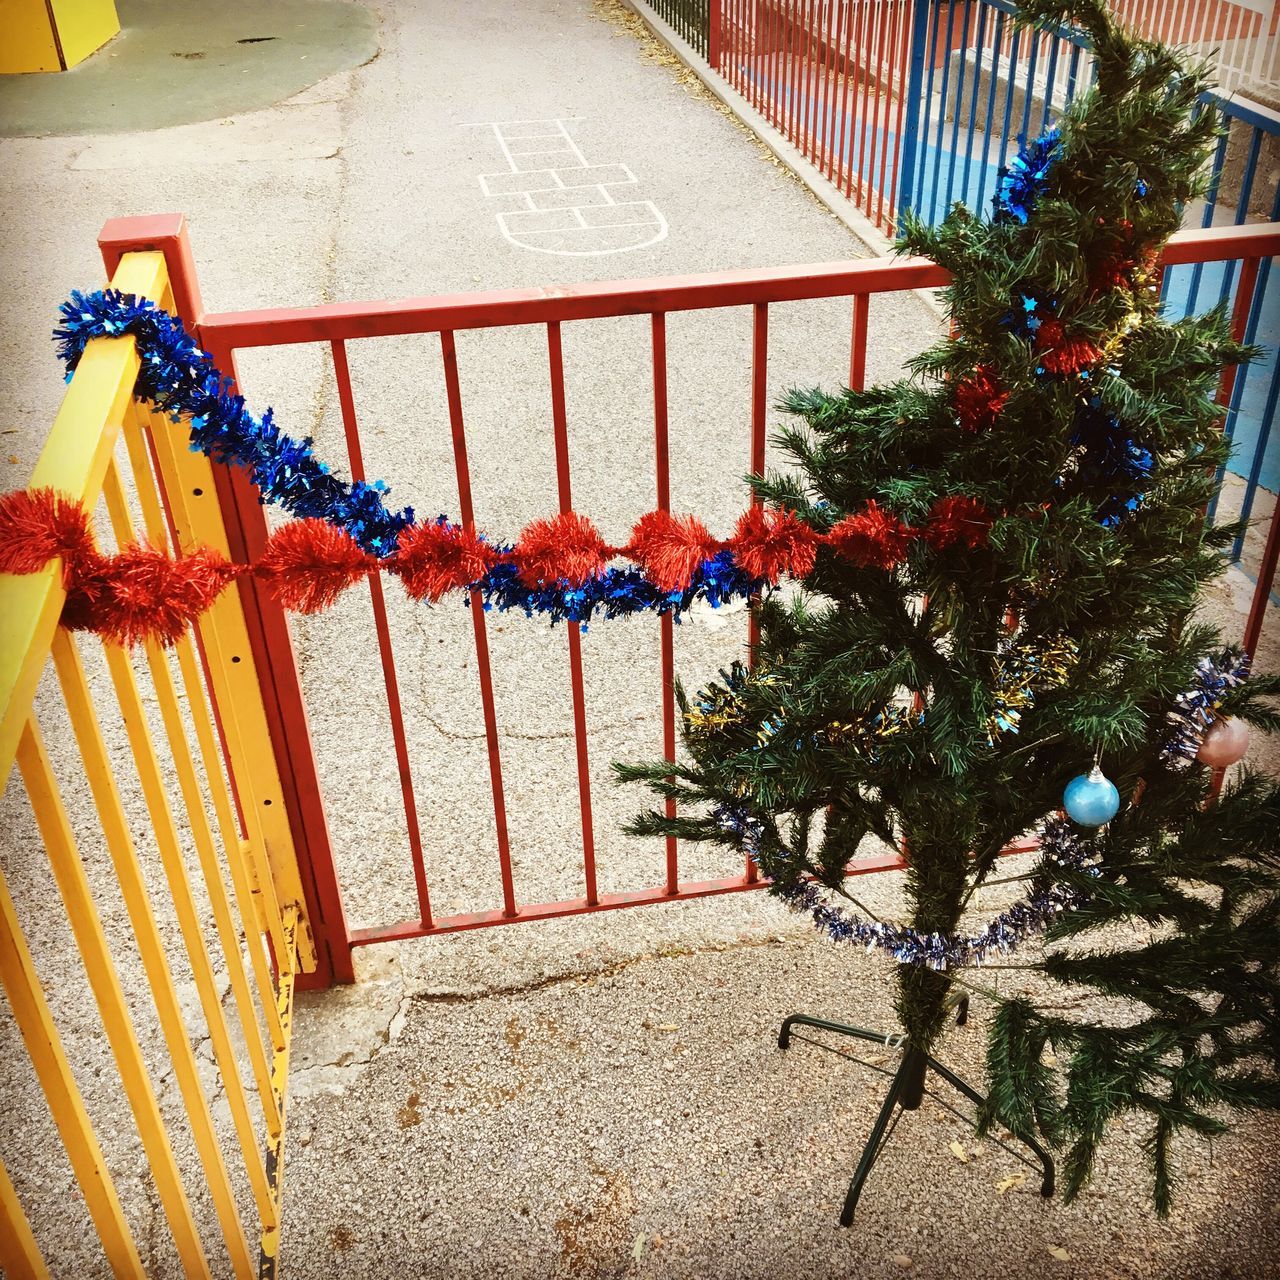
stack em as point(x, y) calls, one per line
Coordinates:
point(224, 334)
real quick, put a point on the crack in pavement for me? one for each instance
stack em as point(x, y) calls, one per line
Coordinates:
point(320, 1077)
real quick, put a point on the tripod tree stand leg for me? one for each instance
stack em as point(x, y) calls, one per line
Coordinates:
point(963, 1086)
point(871, 1151)
point(804, 1020)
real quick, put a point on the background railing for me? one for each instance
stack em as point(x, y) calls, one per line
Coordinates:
point(691, 18)
point(917, 104)
point(1239, 36)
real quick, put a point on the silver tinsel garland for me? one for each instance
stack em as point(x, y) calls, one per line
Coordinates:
point(1058, 843)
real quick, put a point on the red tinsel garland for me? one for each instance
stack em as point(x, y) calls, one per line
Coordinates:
point(142, 593)
point(979, 398)
point(872, 538)
point(1061, 354)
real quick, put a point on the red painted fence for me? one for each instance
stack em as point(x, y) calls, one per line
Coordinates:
point(224, 334)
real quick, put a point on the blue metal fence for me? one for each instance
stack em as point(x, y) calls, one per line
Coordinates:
point(979, 84)
point(917, 104)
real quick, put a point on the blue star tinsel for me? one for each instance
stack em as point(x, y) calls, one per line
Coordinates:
point(1193, 709)
point(182, 382)
point(1060, 846)
point(1021, 184)
point(1030, 308)
point(1111, 456)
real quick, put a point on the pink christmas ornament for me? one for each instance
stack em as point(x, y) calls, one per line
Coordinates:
point(1225, 743)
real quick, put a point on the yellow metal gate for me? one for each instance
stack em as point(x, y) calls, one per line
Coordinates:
point(187, 846)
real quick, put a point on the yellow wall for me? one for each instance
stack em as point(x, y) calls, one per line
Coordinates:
point(84, 26)
point(29, 41)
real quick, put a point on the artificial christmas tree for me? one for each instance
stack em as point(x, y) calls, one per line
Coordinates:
point(997, 621)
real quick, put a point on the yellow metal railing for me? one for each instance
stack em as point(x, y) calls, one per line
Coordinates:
point(206, 801)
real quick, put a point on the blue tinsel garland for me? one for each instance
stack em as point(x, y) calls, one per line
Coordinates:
point(1194, 709)
point(182, 382)
point(1023, 180)
point(1110, 456)
point(1059, 845)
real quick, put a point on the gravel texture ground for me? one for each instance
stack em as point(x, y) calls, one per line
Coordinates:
point(590, 1097)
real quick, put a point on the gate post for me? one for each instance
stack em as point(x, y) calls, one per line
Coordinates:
point(715, 26)
point(920, 13)
point(269, 642)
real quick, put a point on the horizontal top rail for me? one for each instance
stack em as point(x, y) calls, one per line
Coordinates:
point(598, 299)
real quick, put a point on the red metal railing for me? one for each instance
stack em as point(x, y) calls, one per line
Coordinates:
point(224, 334)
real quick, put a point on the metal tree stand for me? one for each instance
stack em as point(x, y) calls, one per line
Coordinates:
point(899, 1099)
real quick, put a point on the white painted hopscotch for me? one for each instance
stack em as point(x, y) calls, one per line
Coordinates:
point(564, 203)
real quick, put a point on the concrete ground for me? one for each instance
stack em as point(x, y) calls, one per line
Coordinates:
point(589, 1097)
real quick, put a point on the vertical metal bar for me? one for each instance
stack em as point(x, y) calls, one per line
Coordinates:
point(1206, 220)
point(776, 96)
point(759, 392)
point(841, 167)
point(866, 12)
point(1242, 204)
point(269, 1250)
point(390, 682)
point(858, 341)
point(1243, 321)
point(880, 127)
point(104, 982)
point(991, 103)
point(821, 91)
point(1267, 420)
point(449, 353)
point(973, 101)
point(1239, 325)
point(823, 117)
point(910, 129)
point(922, 164)
point(935, 214)
point(715, 18)
point(1266, 580)
point(19, 1254)
point(44, 1045)
point(662, 472)
point(1032, 59)
point(1050, 81)
point(835, 26)
point(560, 430)
point(1011, 63)
point(954, 149)
point(1073, 72)
point(789, 71)
point(731, 40)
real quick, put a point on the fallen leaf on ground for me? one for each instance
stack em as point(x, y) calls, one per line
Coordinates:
point(1057, 1251)
point(667, 1026)
point(1008, 1184)
point(959, 1152)
point(637, 1250)
point(902, 1259)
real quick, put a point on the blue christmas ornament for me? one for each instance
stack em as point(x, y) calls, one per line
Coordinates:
point(1091, 799)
